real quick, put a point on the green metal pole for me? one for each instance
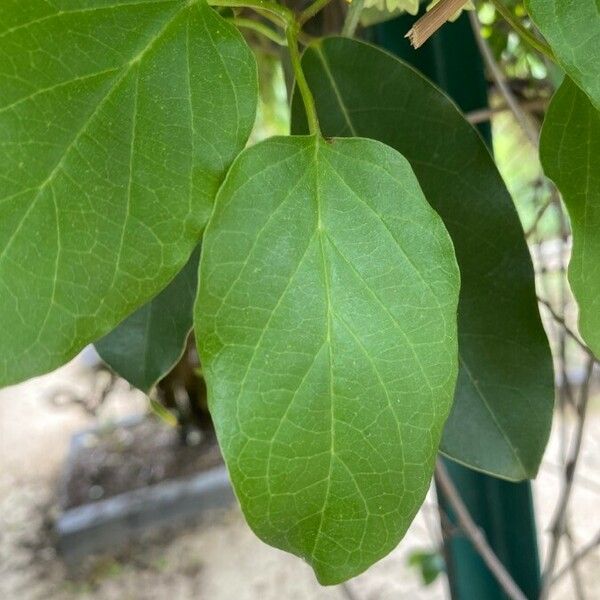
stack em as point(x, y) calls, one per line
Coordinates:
point(503, 510)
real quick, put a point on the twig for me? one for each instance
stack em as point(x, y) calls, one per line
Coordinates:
point(475, 535)
point(540, 213)
point(567, 329)
point(558, 522)
point(500, 81)
point(526, 35)
point(575, 573)
point(577, 557)
point(431, 21)
point(566, 392)
point(485, 114)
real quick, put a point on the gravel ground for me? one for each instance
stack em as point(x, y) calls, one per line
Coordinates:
point(219, 558)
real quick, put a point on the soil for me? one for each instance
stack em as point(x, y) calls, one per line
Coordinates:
point(124, 457)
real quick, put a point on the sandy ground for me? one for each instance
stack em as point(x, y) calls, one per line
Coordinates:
point(219, 558)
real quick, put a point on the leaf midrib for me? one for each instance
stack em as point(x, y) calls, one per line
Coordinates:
point(346, 113)
point(485, 403)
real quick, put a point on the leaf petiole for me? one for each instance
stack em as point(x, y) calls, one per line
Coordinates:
point(310, 11)
point(525, 34)
point(260, 28)
point(284, 14)
point(307, 97)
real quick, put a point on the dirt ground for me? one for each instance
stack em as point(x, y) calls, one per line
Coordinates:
point(218, 558)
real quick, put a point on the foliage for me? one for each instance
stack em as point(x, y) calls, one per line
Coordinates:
point(570, 153)
point(330, 320)
point(414, 117)
point(288, 375)
point(430, 565)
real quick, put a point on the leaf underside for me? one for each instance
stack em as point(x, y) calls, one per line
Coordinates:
point(572, 28)
point(118, 121)
point(148, 343)
point(326, 323)
point(501, 417)
point(570, 153)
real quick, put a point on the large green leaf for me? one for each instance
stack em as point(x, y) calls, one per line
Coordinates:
point(572, 28)
point(501, 416)
point(118, 121)
point(326, 322)
point(570, 153)
point(148, 343)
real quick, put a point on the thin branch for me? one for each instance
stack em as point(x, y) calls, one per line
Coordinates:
point(556, 317)
point(475, 535)
point(431, 21)
point(540, 213)
point(577, 557)
point(500, 81)
point(485, 114)
point(524, 33)
point(575, 573)
point(566, 391)
point(558, 522)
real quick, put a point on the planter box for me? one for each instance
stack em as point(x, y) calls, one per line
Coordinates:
point(118, 520)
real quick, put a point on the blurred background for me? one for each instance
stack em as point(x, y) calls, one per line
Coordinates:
point(81, 451)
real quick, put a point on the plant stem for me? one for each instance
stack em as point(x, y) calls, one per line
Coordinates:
point(352, 18)
point(524, 33)
point(558, 521)
point(309, 12)
point(259, 28)
point(472, 531)
point(307, 97)
point(560, 321)
point(500, 81)
point(285, 14)
point(577, 557)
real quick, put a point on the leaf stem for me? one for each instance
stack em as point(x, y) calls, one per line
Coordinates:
point(352, 18)
point(293, 31)
point(307, 97)
point(259, 28)
point(309, 12)
point(524, 33)
point(284, 14)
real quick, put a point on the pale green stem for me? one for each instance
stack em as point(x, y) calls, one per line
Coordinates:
point(352, 18)
point(309, 12)
point(524, 33)
point(307, 97)
point(259, 28)
point(285, 14)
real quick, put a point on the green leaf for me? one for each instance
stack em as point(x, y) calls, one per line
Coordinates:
point(505, 377)
point(573, 31)
point(570, 153)
point(326, 322)
point(118, 121)
point(148, 343)
point(430, 565)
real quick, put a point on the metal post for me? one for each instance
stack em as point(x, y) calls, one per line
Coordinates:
point(503, 510)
